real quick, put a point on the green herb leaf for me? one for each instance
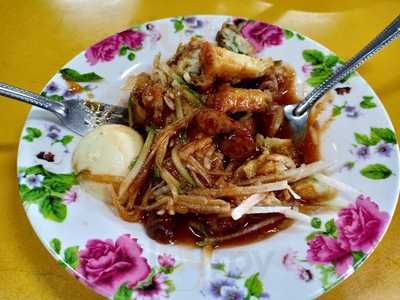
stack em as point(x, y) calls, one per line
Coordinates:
point(178, 24)
point(254, 285)
point(71, 256)
point(66, 139)
point(73, 75)
point(55, 244)
point(330, 228)
point(300, 37)
point(131, 56)
point(376, 171)
point(52, 208)
point(367, 102)
point(288, 34)
point(32, 133)
point(336, 110)
point(331, 60)
point(385, 134)
point(316, 223)
point(314, 57)
point(357, 257)
point(123, 293)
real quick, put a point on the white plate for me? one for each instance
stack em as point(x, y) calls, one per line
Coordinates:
point(114, 257)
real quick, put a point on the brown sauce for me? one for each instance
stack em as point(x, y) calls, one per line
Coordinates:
point(179, 229)
point(183, 229)
point(189, 229)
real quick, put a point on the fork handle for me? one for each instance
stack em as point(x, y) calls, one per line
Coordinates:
point(10, 91)
point(391, 32)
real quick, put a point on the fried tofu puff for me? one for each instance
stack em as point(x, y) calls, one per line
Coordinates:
point(200, 63)
point(229, 37)
point(231, 99)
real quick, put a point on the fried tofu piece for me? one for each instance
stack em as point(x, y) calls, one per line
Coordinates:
point(186, 63)
point(231, 99)
point(229, 66)
point(312, 189)
point(200, 64)
point(280, 81)
point(229, 37)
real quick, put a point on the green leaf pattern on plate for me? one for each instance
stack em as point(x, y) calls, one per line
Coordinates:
point(74, 75)
point(32, 134)
point(46, 189)
point(323, 66)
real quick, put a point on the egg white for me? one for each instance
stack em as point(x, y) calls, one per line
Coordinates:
point(107, 150)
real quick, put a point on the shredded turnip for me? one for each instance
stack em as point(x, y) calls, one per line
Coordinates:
point(179, 109)
point(246, 205)
point(195, 166)
point(293, 193)
point(161, 152)
point(173, 184)
point(181, 168)
point(234, 190)
point(144, 152)
point(289, 212)
point(291, 175)
point(340, 186)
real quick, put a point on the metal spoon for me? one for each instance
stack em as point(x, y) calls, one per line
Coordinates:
point(296, 114)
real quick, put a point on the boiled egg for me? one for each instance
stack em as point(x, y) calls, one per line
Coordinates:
point(108, 150)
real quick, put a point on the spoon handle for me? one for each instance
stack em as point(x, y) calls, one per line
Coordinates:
point(31, 98)
point(390, 33)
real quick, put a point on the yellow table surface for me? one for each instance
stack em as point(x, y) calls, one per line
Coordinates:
point(38, 37)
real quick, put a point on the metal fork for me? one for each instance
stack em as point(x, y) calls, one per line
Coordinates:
point(297, 114)
point(80, 116)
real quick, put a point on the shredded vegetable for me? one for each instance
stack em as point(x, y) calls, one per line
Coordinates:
point(246, 205)
point(144, 152)
point(290, 212)
point(180, 167)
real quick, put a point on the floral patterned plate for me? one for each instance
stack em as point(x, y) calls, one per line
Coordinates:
point(119, 261)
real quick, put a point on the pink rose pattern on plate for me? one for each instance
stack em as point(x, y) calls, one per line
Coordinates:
point(123, 43)
point(106, 265)
point(114, 269)
point(346, 241)
point(261, 34)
